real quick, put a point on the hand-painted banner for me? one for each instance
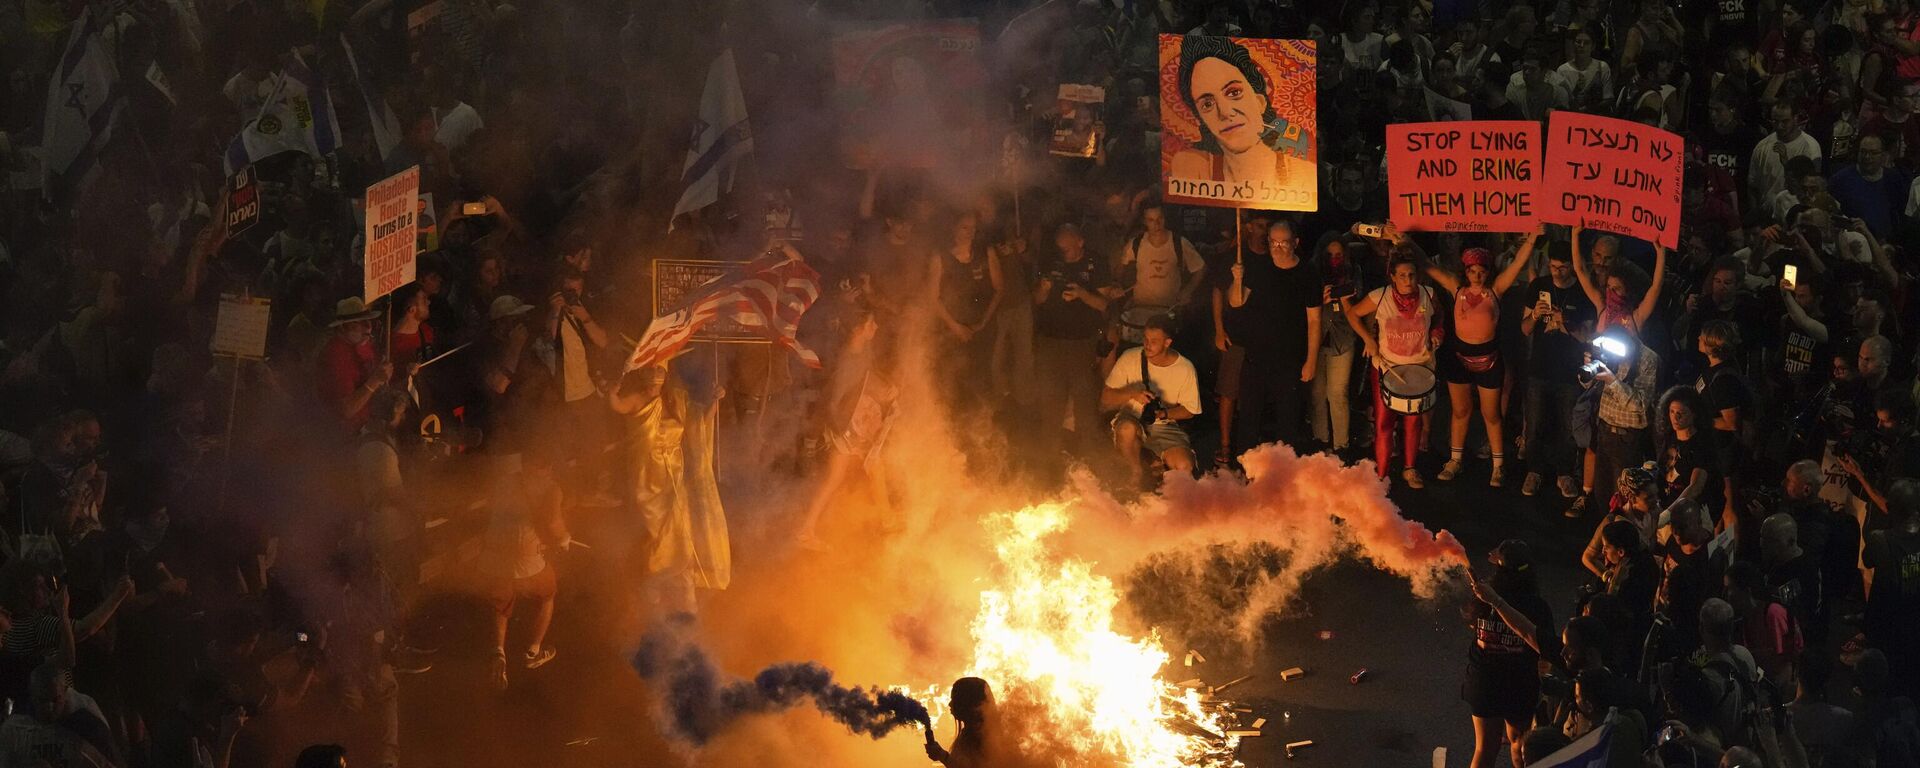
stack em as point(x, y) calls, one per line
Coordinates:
point(1238, 122)
point(1614, 175)
point(1481, 176)
point(392, 226)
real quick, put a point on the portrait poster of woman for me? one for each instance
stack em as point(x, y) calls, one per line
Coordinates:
point(904, 90)
point(1238, 122)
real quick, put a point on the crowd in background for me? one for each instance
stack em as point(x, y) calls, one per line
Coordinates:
point(213, 560)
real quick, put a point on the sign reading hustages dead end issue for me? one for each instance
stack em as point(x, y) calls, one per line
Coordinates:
point(1614, 175)
point(1475, 176)
point(392, 227)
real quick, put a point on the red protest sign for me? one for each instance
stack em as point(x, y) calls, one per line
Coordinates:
point(1476, 176)
point(1614, 175)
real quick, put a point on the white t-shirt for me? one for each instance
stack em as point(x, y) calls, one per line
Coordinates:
point(1403, 339)
point(1593, 85)
point(455, 125)
point(1174, 384)
point(1160, 276)
point(1767, 171)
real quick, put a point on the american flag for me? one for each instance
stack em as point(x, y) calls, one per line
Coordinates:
point(768, 294)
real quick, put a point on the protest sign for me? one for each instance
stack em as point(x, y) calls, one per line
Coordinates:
point(1476, 176)
point(1615, 176)
point(1238, 122)
point(243, 200)
point(240, 326)
point(905, 90)
point(676, 279)
point(392, 226)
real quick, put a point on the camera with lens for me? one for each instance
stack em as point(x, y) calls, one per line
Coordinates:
point(1153, 410)
point(1607, 352)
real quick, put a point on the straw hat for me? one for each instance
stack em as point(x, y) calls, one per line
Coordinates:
point(351, 310)
point(508, 306)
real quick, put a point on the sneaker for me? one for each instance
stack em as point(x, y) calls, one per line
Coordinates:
point(1577, 508)
point(497, 669)
point(1449, 471)
point(1568, 488)
point(1498, 476)
point(1485, 451)
point(1530, 485)
point(536, 660)
point(1412, 476)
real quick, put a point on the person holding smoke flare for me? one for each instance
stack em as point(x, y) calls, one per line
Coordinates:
point(1241, 135)
point(1502, 685)
point(972, 706)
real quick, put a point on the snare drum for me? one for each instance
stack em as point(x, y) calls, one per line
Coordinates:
point(1133, 321)
point(1408, 389)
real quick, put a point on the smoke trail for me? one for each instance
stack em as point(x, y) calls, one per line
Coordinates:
point(700, 705)
point(1200, 547)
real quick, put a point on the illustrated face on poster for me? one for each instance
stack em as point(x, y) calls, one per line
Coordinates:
point(902, 90)
point(1238, 122)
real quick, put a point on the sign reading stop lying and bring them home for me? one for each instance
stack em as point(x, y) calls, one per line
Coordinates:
point(1614, 175)
point(1476, 176)
point(392, 227)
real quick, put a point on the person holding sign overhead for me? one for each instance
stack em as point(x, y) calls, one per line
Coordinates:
point(1241, 134)
point(1402, 351)
point(1615, 306)
point(1471, 358)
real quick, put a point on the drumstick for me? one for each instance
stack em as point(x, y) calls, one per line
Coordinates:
point(439, 357)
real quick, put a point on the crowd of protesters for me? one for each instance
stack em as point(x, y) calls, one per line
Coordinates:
point(1736, 417)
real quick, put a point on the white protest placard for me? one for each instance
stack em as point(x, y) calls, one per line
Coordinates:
point(392, 227)
point(240, 327)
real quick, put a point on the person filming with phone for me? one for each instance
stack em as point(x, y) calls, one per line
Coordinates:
point(1558, 326)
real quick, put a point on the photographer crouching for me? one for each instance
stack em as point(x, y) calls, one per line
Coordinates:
point(1151, 389)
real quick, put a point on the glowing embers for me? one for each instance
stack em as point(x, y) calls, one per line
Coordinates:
point(1074, 690)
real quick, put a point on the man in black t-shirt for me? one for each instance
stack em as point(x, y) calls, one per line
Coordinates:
point(1727, 140)
point(1070, 303)
point(1556, 325)
point(1273, 312)
point(1730, 403)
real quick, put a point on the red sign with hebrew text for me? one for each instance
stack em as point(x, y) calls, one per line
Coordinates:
point(1614, 175)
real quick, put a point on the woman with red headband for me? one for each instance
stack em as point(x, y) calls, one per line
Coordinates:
point(1470, 358)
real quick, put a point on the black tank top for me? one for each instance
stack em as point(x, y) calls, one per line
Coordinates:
point(965, 287)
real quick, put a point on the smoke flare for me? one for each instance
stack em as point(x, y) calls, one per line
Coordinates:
point(700, 705)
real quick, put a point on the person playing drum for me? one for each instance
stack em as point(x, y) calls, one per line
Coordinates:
point(1470, 358)
point(1402, 353)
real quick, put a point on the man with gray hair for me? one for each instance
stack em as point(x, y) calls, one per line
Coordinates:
point(1830, 536)
point(1793, 574)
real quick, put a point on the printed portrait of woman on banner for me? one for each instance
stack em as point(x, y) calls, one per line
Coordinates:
point(1238, 121)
